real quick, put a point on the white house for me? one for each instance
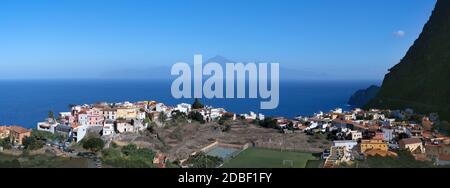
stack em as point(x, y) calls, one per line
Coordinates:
point(160, 107)
point(79, 133)
point(124, 126)
point(63, 115)
point(388, 134)
point(49, 125)
point(127, 104)
point(378, 116)
point(261, 116)
point(141, 115)
point(250, 116)
point(356, 135)
point(110, 114)
point(108, 128)
point(215, 113)
point(349, 144)
point(313, 125)
point(337, 111)
point(357, 110)
point(318, 115)
point(184, 108)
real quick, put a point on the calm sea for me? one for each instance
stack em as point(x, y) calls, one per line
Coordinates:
point(25, 102)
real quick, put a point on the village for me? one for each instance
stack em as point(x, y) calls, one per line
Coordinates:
point(173, 135)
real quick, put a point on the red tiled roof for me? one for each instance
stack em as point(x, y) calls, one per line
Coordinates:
point(18, 129)
point(410, 141)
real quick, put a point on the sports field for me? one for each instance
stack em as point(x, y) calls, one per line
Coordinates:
point(266, 158)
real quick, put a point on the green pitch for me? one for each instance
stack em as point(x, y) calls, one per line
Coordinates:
point(266, 158)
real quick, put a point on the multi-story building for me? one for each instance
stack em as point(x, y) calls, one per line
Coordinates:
point(110, 114)
point(183, 107)
point(4, 132)
point(412, 144)
point(348, 144)
point(367, 145)
point(124, 126)
point(95, 117)
point(356, 135)
point(127, 113)
point(108, 128)
point(49, 125)
point(17, 134)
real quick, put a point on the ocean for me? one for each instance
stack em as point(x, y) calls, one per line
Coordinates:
point(26, 102)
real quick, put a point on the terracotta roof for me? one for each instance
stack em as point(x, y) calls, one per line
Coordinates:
point(18, 129)
point(3, 128)
point(410, 141)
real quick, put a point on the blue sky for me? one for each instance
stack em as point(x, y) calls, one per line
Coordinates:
point(347, 39)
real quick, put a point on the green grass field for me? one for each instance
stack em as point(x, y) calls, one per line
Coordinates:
point(266, 158)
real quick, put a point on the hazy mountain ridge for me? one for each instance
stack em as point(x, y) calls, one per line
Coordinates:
point(163, 72)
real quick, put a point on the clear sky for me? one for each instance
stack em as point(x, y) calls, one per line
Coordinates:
point(346, 39)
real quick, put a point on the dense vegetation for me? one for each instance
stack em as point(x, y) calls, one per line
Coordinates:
point(421, 80)
point(93, 144)
point(32, 143)
point(403, 160)
point(201, 160)
point(39, 138)
point(196, 116)
point(47, 160)
point(129, 156)
point(47, 136)
point(5, 143)
point(268, 123)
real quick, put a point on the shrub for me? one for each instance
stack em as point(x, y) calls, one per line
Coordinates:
point(94, 144)
point(31, 143)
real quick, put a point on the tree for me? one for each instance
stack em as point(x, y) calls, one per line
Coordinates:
point(129, 149)
point(45, 136)
point(178, 116)
point(51, 115)
point(151, 127)
point(268, 123)
point(162, 117)
point(147, 120)
point(197, 104)
point(196, 116)
point(5, 143)
point(94, 144)
point(290, 126)
point(32, 143)
point(201, 160)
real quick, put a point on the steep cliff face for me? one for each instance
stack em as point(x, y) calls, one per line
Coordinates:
point(422, 78)
point(363, 96)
